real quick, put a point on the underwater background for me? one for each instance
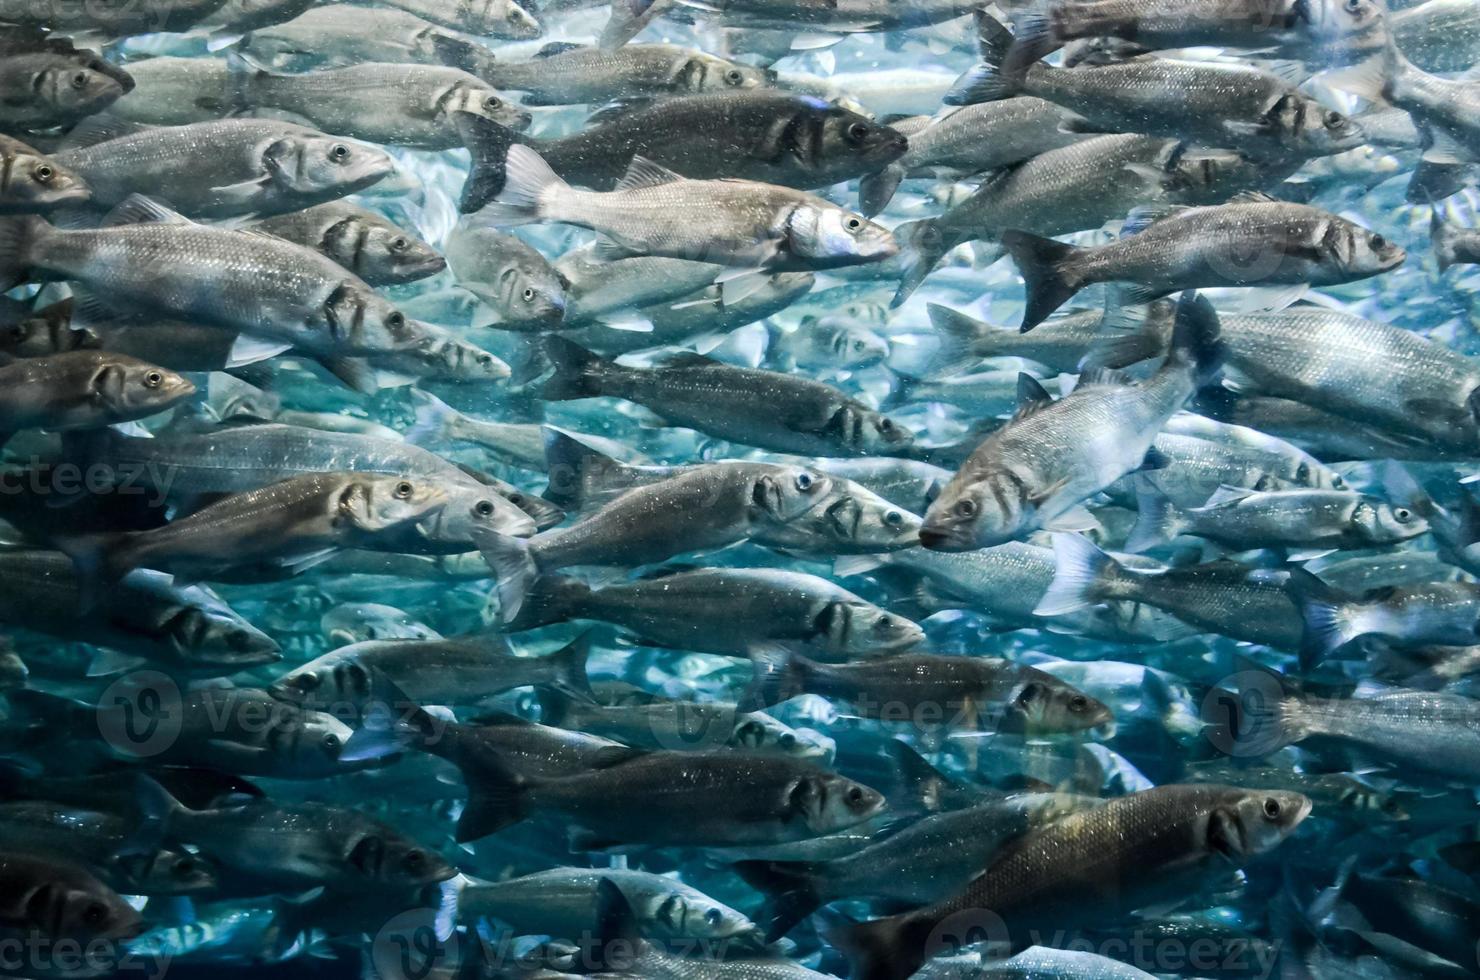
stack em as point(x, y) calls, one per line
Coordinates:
point(635, 489)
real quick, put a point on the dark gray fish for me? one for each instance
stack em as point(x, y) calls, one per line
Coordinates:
point(33, 183)
point(369, 245)
point(50, 83)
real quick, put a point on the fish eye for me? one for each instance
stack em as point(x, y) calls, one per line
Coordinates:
point(1402, 515)
point(79, 80)
point(95, 914)
point(492, 103)
point(339, 152)
point(400, 244)
point(858, 346)
point(1334, 120)
point(857, 133)
point(1354, 6)
point(853, 224)
point(307, 682)
point(331, 742)
point(528, 295)
point(713, 916)
point(483, 508)
point(153, 379)
point(893, 518)
point(1378, 242)
point(886, 425)
point(396, 320)
point(414, 861)
point(734, 76)
point(882, 625)
point(787, 740)
point(854, 795)
point(404, 489)
point(185, 866)
point(966, 507)
point(804, 481)
point(1272, 808)
point(43, 174)
point(1079, 704)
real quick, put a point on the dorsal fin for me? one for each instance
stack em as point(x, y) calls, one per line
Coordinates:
point(1100, 376)
point(139, 210)
point(1147, 215)
point(1253, 197)
point(1031, 396)
point(642, 172)
point(557, 47)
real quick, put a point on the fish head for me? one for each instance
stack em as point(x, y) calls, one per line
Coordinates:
point(1248, 823)
point(989, 509)
point(167, 872)
point(376, 504)
point(1206, 175)
point(784, 493)
point(879, 434)
point(316, 742)
point(861, 520)
point(1043, 704)
point(74, 907)
point(847, 135)
point(690, 914)
point(441, 356)
point(828, 235)
point(505, 19)
point(847, 344)
point(1382, 523)
point(132, 389)
point(313, 164)
point(474, 510)
point(480, 100)
point(1314, 127)
point(703, 72)
point(858, 628)
point(384, 856)
point(392, 256)
point(829, 802)
point(213, 634)
point(758, 732)
point(41, 184)
point(1335, 21)
point(70, 88)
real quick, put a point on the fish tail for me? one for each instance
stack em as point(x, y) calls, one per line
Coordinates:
point(1197, 338)
point(1443, 241)
point(1038, 35)
point(1081, 573)
point(513, 565)
point(875, 191)
point(100, 561)
point(1158, 520)
point(1129, 334)
point(1326, 614)
point(489, 144)
point(777, 676)
point(960, 340)
point(883, 949)
point(528, 184)
point(433, 416)
point(156, 810)
point(498, 797)
point(575, 371)
point(793, 890)
point(414, 728)
point(921, 247)
point(986, 82)
point(1042, 262)
point(552, 599)
point(17, 235)
point(569, 666)
point(579, 475)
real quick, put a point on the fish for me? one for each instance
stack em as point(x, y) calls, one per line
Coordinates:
point(1452, 245)
point(761, 135)
point(765, 607)
point(495, 18)
point(32, 183)
point(1181, 248)
point(731, 403)
point(750, 225)
point(112, 20)
point(341, 34)
point(373, 248)
point(1017, 480)
point(56, 899)
point(85, 390)
point(1182, 832)
point(571, 74)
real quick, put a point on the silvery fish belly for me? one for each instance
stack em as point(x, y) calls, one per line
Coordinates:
point(739, 489)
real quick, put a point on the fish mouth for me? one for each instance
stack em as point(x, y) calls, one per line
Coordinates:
point(937, 538)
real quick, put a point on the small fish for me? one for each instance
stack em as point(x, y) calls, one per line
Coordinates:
point(1453, 245)
point(32, 183)
point(51, 82)
point(494, 18)
point(56, 900)
point(84, 390)
point(372, 247)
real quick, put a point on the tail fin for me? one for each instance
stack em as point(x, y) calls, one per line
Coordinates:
point(16, 235)
point(628, 18)
point(793, 889)
point(884, 949)
point(552, 599)
point(1158, 520)
point(497, 798)
point(580, 476)
point(99, 563)
point(1130, 334)
point(1037, 37)
point(1080, 569)
point(921, 247)
point(388, 736)
point(958, 340)
point(778, 677)
point(433, 416)
point(156, 808)
point(1443, 241)
point(1196, 338)
point(568, 666)
point(986, 82)
point(527, 186)
point(875, 191)
point(490, 144)
point(1324, 610)
point(574, 371)
point(513, 566)
point(1041, 263)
